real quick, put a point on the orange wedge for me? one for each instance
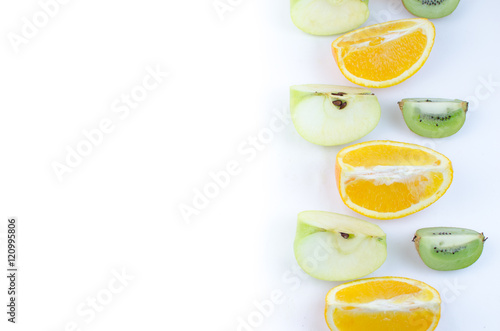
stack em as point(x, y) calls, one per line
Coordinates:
point(384, 54)
point(388, 179)
point(383, 304)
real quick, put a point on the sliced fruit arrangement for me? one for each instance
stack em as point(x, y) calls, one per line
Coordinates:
point(383, 304)
point(447, 248)
point(331, 115)
point(336, 247)
point(388, 179)
point(384, 54)
point(431, 8)
point(328, 17)
point(434, 118)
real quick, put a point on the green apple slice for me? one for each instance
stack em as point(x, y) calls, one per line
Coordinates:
point(328, 17)
point(331, 115)
point(336, 247)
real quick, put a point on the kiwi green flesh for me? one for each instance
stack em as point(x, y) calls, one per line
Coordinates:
point(431, 8)
point(434, 118)
point(449, 248)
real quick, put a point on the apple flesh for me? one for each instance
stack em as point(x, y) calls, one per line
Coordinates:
point(336, 247)
point(328, 17)
point(331, 115)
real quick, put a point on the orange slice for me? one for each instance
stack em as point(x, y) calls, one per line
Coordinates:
point(384, 54)
point(383, 304)
point(388, 179)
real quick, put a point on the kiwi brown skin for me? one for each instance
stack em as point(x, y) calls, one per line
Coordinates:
point(433, 117)
point(447, 248)
point(431, 8)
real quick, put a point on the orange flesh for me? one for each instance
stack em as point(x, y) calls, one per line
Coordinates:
point(393, 197)
point(355, 317)
point(384, 54)
point(415, 320)
point(367, 292)
point(390, 180)
point(387, 155)
point(376, 61)
point(375, 31)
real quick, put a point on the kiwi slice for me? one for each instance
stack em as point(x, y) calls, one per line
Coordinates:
point(434, 118)
point(446, 248)
point(431, 8)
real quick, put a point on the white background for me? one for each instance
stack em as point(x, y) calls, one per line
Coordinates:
point(118, 211)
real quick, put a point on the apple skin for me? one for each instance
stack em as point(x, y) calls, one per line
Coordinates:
point(335, 247)
point(328, 17)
